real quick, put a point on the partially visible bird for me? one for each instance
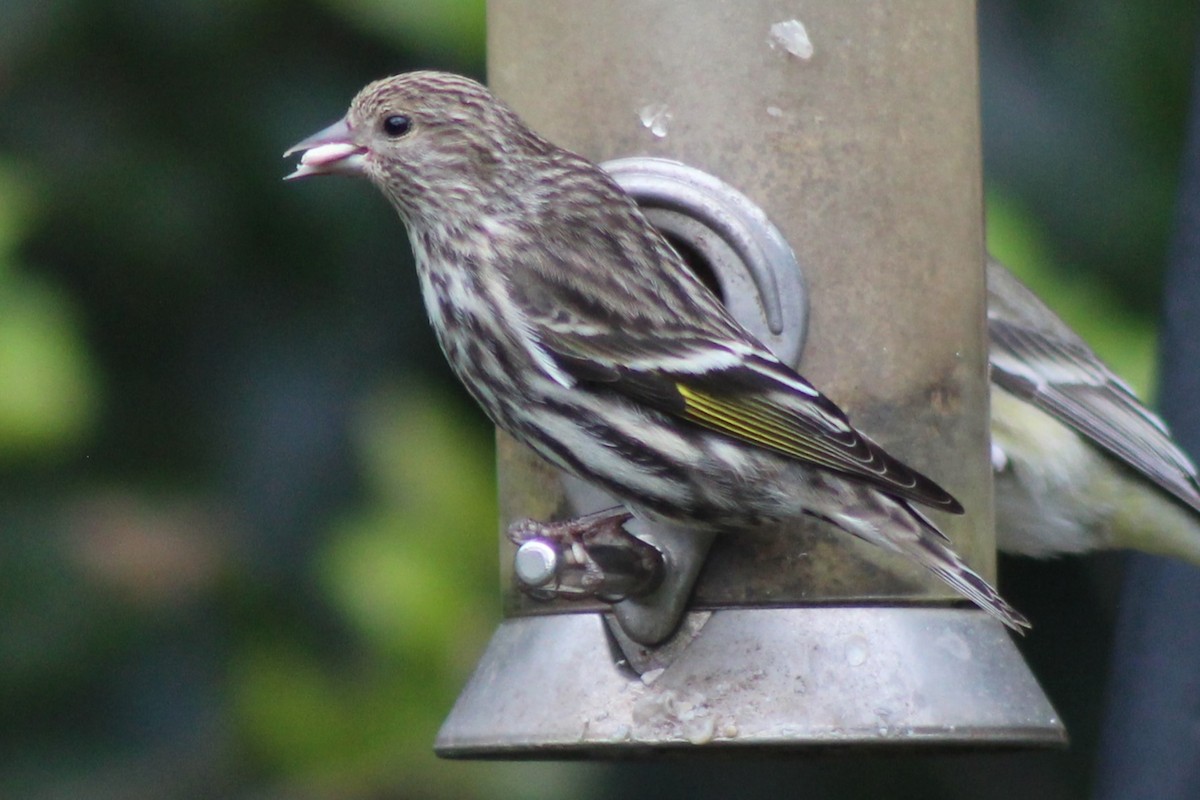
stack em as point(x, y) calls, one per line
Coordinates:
point(582, 333)
point(1080, 464)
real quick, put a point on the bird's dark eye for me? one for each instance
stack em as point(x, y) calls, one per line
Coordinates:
point(396, 125)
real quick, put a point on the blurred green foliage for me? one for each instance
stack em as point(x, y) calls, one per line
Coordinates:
point(48, 394)
point(406, 571)
point(238, 558)
point(453, 28)
point(1084, 105)
point(247, 521)
point(1125, 339)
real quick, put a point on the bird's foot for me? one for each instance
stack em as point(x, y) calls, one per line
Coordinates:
point(592, 556)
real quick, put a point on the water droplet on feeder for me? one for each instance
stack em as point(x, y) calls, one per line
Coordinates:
point(655, 117)
point(792, 36)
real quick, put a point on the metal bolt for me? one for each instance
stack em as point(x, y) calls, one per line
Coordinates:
point(536, 563)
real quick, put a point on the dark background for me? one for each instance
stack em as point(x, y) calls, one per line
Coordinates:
point(247, 521)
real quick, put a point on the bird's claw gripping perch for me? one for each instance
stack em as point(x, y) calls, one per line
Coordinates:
point(588, 557)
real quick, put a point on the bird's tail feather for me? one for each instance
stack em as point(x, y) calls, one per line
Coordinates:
point(894, 524)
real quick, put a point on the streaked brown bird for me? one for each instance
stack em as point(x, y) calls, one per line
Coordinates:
point(1080, 463)
point(583, 334)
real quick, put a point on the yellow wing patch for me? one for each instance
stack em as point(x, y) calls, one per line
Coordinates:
point(762, 423)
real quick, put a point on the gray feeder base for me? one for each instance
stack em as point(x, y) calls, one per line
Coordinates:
point(763, 678)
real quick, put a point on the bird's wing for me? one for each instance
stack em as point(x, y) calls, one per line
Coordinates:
point(734, 386)
point(643, 326)
point(1068, 381)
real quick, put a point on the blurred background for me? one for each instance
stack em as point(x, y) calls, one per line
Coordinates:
point(247, 520)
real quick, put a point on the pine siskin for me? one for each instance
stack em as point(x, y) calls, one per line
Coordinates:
point(582, 333)
point(1080, 463)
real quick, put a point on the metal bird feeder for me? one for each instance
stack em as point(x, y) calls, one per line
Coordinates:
point(797, 635)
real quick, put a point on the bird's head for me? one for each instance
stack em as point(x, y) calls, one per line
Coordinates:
point(426, 139)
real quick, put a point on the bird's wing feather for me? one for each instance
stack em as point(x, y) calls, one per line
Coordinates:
point(1067, 380)
point(744, 393)
point(657, 336)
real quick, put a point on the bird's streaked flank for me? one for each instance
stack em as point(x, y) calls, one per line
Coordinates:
point(584, 335)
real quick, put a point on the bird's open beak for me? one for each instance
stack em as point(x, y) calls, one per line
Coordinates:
point(331, 151)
